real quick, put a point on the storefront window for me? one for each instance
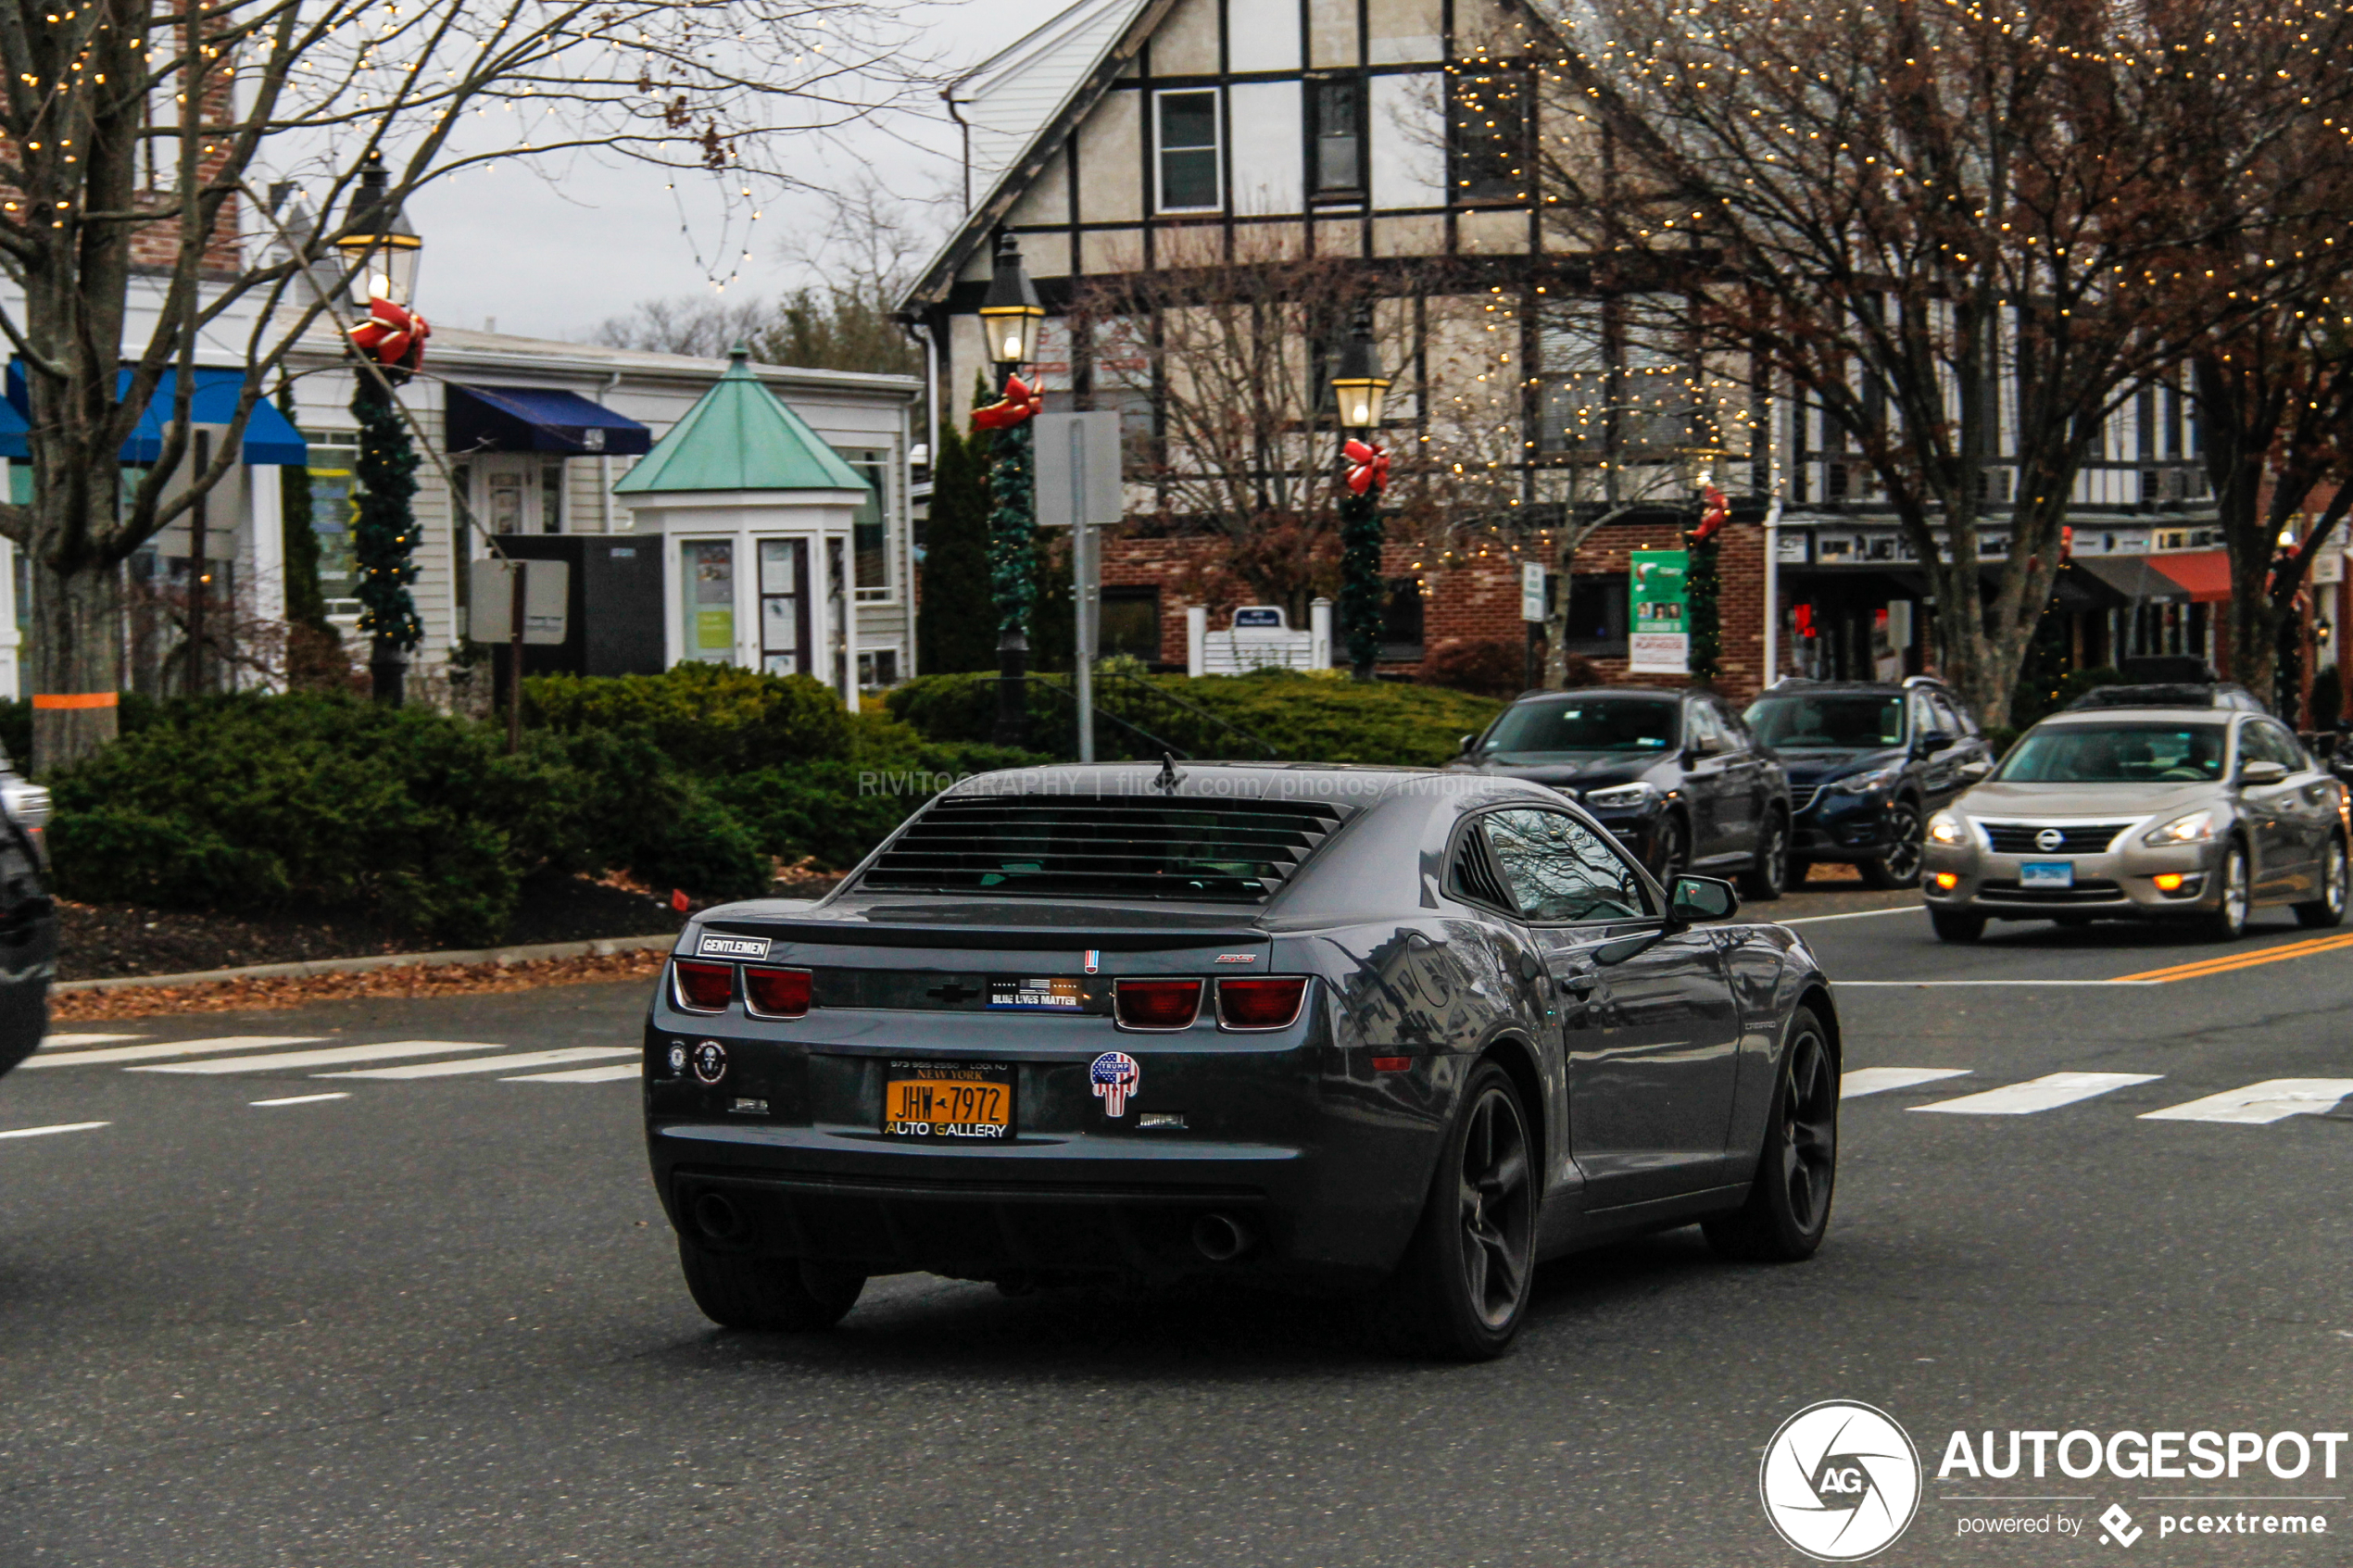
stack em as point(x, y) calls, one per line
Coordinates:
point(707, 578)
point(334, 501)
point(869, 531)
point(783, 609)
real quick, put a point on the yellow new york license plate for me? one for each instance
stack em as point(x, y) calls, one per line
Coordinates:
point(949, 1099)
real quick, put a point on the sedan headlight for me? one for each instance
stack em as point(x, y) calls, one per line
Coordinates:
point(1865, 783)
point(2198, 827)
point(1618, 798)
point(1946, 828)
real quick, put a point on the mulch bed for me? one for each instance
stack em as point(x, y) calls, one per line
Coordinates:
point(293, 991)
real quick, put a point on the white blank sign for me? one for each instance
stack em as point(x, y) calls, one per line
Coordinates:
point(546, 584)
point(1077, 459)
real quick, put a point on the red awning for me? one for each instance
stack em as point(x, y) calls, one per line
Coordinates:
point(2205, 573)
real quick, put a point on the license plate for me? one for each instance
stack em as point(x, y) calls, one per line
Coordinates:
point(949, 1099)
point(2046, 873)
point(1011, 993)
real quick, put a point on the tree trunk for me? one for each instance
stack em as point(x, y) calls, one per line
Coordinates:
point(77, 661)
point(1556, 612)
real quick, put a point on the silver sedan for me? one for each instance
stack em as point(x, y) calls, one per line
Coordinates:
point(2142, 814)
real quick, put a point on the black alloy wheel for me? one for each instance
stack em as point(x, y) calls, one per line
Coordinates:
point(1465, 1281)
point(2329, 908)
point(1788, 1209)
point(1670, 850)
point(1765, 879)
point(1900, 867)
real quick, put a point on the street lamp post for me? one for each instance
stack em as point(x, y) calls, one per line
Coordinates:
point(1358, 387)
point(381, 252)
point(1011, 316)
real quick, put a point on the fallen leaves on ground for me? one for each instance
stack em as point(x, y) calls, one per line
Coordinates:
point(301, 990)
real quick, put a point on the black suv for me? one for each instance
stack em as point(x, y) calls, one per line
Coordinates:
point(1868, 762)
point(1674, 775)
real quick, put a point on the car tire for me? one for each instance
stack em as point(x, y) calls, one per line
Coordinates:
point(1670, 850)
point(1788, 1211)
point(1464, 1284)
point(2328, 910)
point(1900, 867)
point(1765, 879)
point(768, 1295)
point(2227, 921)
point(1956, 926)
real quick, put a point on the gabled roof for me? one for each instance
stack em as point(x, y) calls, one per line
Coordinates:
point(739, 436)
point(1002, 101)
point(1120, 46)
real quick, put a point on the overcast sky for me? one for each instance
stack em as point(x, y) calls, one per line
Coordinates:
point(552, 257)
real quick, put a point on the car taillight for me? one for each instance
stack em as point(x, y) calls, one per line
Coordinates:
point(1156, 1004)
point(705, 987)
point(1270, 1003)
point(777, 993)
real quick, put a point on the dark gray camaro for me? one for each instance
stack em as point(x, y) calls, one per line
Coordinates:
point(1382, 1032)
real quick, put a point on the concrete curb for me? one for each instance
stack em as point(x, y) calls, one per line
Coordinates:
point(601, 947)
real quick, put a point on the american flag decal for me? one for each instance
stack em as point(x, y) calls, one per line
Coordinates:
point(1114, 1077)
point(1092, 957)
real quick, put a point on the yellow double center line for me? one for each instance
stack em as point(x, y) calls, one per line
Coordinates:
point(2244, 961)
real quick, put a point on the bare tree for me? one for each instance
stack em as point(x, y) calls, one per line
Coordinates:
point(1222, 355)
point(129, 130)
point(703, 326)
point(1960, 234)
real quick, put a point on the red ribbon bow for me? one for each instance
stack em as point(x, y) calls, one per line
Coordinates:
point(1715, 513)
point(1019, 402)
point(1367, 467)
point(396, 337)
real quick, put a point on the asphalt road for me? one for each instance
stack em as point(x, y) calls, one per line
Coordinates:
point(438, 1321)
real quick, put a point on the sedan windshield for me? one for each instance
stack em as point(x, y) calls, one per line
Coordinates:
point(2116, 754)
point(1629, 724)
point(1853, 722)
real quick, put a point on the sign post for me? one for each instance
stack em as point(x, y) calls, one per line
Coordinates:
point(1079, 489)
point(1661, 643)
point(1531, 611)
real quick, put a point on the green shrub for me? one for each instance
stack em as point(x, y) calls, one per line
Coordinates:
point(706, 718)
point(1302, 719)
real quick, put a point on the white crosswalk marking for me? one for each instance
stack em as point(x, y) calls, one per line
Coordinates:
point(2274, 1100)
point(387, 1050)
point(489, 1063)
point(67, 1042)
point(61, 1127)
point(1878, 1080)
point(581, 1075)
point(2046, 1093)
point(169, 1049)
point(303, 1100)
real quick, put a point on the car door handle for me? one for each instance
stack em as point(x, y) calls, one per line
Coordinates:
point(1580, 986)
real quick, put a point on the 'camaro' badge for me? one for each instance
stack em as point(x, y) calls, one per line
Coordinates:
point(710, 1062)
point(1114, 1077)
point(1237, 958)
point(718, 946)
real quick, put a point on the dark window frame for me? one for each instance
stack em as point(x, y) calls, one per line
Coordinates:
point(1214, 148)
point(1483, 175)
point(1322, 93)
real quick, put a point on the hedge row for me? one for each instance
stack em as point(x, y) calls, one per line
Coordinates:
point(1298, 718)
point(701, 779)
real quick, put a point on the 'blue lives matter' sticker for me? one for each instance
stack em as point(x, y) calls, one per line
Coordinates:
point(1049, 994)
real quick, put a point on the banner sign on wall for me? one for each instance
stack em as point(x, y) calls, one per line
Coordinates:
point(1661, 640)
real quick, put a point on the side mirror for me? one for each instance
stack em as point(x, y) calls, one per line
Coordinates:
point(1698, 899)
point(2262, 772)
point(1975, 768)
point(1468, 741)
point(1932, 744)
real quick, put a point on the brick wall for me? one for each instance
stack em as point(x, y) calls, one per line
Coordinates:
point(1474, 602)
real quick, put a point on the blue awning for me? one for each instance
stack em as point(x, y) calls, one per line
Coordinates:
point(537, 418)
point(269, 437)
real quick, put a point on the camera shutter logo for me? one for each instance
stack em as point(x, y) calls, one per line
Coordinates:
point(1840, 1481)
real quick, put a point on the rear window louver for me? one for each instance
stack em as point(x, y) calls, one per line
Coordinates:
point(1238, 852)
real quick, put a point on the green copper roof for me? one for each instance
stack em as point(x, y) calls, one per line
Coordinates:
point(740, 436)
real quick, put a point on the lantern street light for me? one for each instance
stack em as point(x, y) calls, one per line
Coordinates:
point(1359, 388)
point(1011, 316)
point(381, 251)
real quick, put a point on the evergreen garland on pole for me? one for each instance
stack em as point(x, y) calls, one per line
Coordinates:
point(1701, 581)
point(384, 534)
point(1012, 568)
point(1364, 594)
